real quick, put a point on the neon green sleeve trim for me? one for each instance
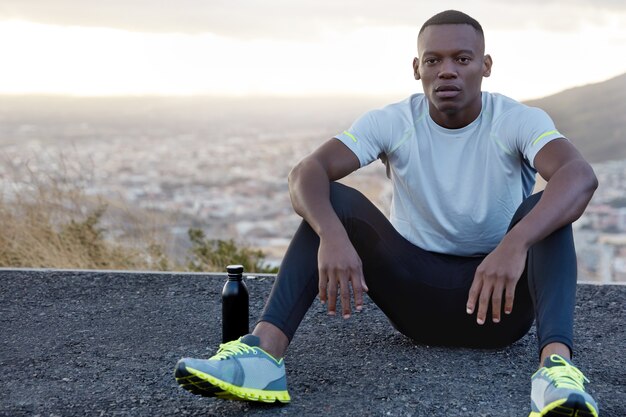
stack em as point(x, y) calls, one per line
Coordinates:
point(544, 135)
point(345, 132)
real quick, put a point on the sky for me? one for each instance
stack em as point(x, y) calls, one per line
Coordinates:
point(294, 47)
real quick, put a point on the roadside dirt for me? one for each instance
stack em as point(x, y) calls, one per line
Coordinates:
point(105, 344)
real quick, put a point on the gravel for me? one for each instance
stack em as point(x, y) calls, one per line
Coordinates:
point(88, 343)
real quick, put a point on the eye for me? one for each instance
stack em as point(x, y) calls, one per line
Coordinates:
point(463, 60)
point(430, 61)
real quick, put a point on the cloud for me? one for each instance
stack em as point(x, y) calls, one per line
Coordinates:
point(306, 19)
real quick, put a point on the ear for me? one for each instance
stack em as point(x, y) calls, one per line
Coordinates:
point(487, 63)
point(416, 64)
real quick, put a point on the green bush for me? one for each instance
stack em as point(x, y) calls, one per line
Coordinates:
point(215, 254)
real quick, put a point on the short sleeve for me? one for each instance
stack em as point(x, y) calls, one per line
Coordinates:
point(534, 130)
point(367, 136)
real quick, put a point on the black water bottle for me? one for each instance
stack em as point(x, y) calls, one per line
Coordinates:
point(234, 305)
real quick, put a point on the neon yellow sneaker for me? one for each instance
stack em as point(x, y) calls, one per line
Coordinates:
point(239, 370)
point(196, 385)
point(558, 390)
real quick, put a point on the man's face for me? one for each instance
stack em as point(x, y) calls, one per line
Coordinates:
point(451, 66)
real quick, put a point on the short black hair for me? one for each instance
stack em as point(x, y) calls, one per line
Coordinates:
point(452, 17)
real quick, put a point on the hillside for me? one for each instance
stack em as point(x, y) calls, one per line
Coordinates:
point(593, 117)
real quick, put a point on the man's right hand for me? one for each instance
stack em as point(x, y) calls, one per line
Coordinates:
point(339, 268)
point(338, 263)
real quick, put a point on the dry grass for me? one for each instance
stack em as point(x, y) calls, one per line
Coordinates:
point(48, 221)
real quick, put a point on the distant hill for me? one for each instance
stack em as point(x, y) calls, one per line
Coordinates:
point(593, 117)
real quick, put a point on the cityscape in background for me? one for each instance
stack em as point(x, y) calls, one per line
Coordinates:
point(226, 172)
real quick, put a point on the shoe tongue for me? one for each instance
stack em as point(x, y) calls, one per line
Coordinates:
point(250, 340)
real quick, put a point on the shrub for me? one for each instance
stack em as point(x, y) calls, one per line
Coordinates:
point(214, 255)
point(49, 221)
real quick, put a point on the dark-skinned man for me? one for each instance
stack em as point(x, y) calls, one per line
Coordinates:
point(468, 257)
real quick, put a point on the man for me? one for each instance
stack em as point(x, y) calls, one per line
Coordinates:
point(467, 246)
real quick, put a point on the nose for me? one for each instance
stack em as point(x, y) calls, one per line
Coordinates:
point(447, 69)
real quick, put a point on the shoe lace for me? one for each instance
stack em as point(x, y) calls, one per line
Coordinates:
point(231, 348)
point(566, 376)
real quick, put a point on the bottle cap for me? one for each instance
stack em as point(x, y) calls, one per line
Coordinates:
point(234, 269)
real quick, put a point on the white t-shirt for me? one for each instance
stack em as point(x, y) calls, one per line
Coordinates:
point(454, 190)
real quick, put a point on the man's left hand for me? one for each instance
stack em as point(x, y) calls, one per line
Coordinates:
point(497, 274)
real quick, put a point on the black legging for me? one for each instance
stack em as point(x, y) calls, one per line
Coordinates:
point(424, 293)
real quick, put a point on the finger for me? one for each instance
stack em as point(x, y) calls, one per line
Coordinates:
point(496, 301)
point(483, 303)
point(332, 295)
point(474, 292)
point(357, 289)
point(345, 296)
point(322, 286)
point(509, 296)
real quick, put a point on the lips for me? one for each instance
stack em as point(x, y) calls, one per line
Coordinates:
point(447, 91)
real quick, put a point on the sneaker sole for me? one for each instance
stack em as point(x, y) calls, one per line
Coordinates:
point(250, 394)
point(573, 406)
point(197, 386)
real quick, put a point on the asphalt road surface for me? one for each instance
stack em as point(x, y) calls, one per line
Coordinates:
point(80, 343)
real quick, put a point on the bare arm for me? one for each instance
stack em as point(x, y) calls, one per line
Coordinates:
point(309, 184)
point(338, 262)
point(571, 183)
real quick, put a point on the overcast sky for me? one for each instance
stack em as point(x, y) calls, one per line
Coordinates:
point(293, 47)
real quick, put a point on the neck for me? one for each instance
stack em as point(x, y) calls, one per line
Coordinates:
point(456, 118)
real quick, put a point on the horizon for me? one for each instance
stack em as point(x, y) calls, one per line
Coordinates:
point(86, 49)
point(234, 96)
